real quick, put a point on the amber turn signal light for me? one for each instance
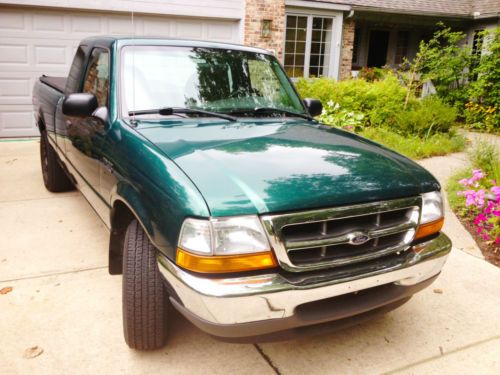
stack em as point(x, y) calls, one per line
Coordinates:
point(425, 230)
point(225, 263)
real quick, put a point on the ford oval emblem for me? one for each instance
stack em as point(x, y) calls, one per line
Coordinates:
point(358, 238)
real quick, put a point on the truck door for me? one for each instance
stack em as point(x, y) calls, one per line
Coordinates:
point(85, 136)
point(73, 84)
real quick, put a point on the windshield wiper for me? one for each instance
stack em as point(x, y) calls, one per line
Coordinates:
point(272, 109)
point(167, 111)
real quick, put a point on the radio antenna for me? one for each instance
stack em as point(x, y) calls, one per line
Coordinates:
point(132, 120)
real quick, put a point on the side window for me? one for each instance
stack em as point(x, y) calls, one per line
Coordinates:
point(97, 77)
point(75, 73)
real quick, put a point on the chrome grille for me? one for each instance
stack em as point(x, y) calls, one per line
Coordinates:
point(342, 235)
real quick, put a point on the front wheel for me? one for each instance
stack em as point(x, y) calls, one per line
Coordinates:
point(144, 299)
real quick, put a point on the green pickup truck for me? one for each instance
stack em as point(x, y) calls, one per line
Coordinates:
point(225, 199)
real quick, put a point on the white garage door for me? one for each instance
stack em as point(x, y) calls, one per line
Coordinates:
point(35, 42)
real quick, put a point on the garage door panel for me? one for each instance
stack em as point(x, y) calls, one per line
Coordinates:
point(13, 54)
point(15, 90)
point(23, 54)
point(121, 26)
point(12, 20)
point(153, 26)
point(221, 30)
point(86, 24)
point(35, 42)
point(50, 55)
point(189, 29)
point(17, 121)
point(48, 22)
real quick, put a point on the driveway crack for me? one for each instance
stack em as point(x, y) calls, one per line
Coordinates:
point(39, 276)
point(440, 355)
point(267, 359)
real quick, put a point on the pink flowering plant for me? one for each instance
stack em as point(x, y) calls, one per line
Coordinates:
point(482, 204)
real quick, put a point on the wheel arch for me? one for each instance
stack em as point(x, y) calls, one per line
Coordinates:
point(121, 216)
point(126, 207)
point(40, 122)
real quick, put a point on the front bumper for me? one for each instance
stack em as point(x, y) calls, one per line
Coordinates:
point(259, 305)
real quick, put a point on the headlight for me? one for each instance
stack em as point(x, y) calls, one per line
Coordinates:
point(224, 245)
point(432, 216)
point(196, 236)
point(432, 207)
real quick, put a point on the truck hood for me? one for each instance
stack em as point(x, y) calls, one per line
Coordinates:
point(256, 167)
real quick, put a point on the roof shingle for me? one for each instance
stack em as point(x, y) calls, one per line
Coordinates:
point(441, 7)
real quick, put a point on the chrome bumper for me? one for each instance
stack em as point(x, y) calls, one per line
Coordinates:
point(223, 302)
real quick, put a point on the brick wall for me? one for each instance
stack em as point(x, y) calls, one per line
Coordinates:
point(346, 49)
point(255, 12)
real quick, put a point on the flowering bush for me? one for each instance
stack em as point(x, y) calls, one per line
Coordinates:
point(482, 203)
point(482, 117)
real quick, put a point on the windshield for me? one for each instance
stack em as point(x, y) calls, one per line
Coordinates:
point(211, 79)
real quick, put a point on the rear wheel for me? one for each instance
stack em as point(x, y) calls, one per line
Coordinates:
point(54, 177)
point(145, 300)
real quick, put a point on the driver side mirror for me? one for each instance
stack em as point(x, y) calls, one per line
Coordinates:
point(79, 105)
point(314, 106)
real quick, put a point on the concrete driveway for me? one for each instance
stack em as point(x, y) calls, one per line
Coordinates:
point(53, 253)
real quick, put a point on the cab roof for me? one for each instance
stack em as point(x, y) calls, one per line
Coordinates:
point(108, 41)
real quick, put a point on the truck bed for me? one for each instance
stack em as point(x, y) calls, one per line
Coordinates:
point(57, 83)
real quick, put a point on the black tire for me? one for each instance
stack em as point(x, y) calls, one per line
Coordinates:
point(144, 298)
point(54, 177)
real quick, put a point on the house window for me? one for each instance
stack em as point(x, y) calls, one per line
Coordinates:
point(401, 46)
point(308, 44)
point(295, 45)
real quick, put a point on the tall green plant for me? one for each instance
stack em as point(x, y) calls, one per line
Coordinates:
point(444, 60)
point(486, 88)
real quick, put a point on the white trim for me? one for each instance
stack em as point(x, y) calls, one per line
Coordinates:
point(337, 47)
point(216, 9)
point(317, 5)
point(307, 52)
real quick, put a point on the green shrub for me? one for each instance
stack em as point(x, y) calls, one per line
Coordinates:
point(350, 94)
point(386, 101)
point(414, 146)
point(486, 88)
point(372, 74)
point(444, 60)
point(426, 117)
point(380, 101)
point(384, 112)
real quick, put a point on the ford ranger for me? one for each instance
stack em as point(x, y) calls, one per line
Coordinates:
point(225, 199)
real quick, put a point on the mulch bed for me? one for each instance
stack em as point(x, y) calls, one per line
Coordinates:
point(491, 251)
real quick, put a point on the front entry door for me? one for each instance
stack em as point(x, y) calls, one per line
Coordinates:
point(86, 135)
point(377, 49)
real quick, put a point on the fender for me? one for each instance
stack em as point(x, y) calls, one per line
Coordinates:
point(128, 204)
